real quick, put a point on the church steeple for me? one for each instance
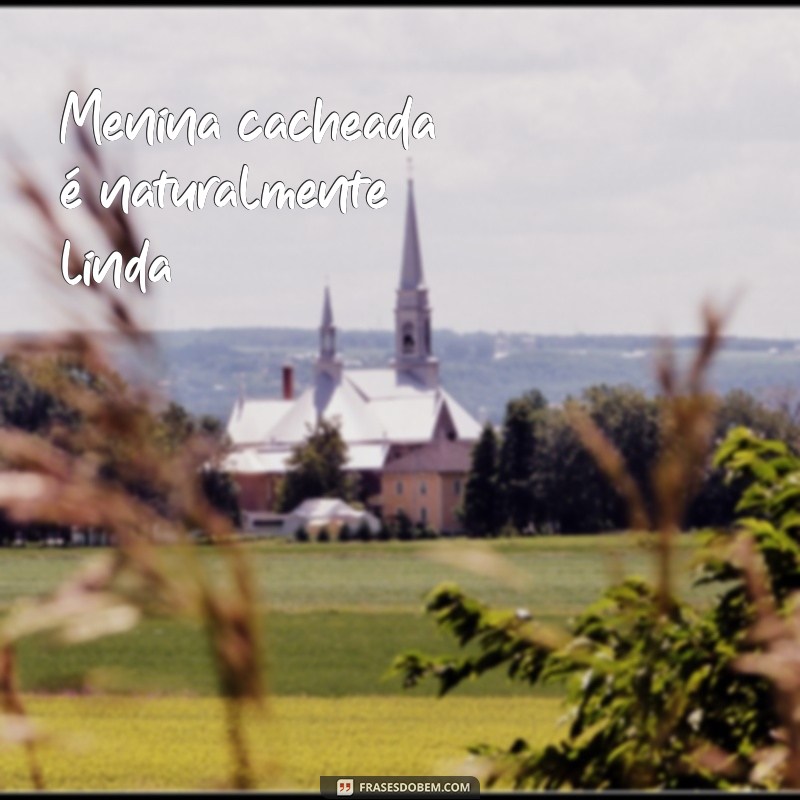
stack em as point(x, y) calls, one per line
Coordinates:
point(328, 359)
point(413, 346)
point(411, 276)
point(327, 330)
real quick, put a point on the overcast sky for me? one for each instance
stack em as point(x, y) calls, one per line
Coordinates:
point(597, 171)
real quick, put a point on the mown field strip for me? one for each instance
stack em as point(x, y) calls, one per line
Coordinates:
point(561, 572)
point(339, 613)
point(324, 654)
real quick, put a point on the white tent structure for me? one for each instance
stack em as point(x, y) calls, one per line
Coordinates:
point(326, 512)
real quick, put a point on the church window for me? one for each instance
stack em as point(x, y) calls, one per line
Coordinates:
point(399, 487)
point(408, 338)
point(423, 488)
point(423, 515)
point(457, 487)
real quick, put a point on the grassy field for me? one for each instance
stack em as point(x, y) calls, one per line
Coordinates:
point(117, 743)
point(563, 572)
point(333, 617)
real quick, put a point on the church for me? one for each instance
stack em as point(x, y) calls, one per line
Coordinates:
point(407, 437)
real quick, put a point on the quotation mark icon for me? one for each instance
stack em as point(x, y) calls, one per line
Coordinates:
point(344, 787)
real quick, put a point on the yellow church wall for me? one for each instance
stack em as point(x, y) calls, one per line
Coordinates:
point(452, 490)
point(427, 498)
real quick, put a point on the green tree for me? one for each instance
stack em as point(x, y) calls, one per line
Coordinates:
point(682, 698)
point(565, 479)
point(175, 426)
point(481, 513)
point(221, 493)
point(316, 468)
point(534, 400)
point(715, 503)
point(571, 493)
point(741, 409)
point(630, 419)
point(516, 463)
point(26, 406)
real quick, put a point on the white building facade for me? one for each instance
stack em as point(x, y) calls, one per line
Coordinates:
point(383, 414)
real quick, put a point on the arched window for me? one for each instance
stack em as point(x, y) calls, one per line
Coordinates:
point(408, 338)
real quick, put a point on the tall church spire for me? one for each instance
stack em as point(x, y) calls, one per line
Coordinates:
point(327, 330)
point(328, 360)
point(411, 276)
point(413, 346)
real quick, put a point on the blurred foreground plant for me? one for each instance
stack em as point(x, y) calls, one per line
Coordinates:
point(660, 693)
point(105, 466)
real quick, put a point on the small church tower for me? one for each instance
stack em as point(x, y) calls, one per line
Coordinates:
point(328, 360)
point(413, 346)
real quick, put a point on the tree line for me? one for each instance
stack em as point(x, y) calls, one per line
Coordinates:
point(25, 406)
point(533, 475)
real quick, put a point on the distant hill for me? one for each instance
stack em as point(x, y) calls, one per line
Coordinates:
point(204, 370)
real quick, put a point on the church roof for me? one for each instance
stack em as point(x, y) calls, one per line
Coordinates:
point(330, 399)
point(251, 420)
point(411, 276)
point(375, 408)
point(383, 384)
point(466, 425)
point(257, 461)
point(441, 455)
point(372, 407)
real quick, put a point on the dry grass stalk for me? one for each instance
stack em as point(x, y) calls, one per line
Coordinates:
point(777, 635)
point(687, 429)
point(12, 706)
point(687, 426)
point(87, 475)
